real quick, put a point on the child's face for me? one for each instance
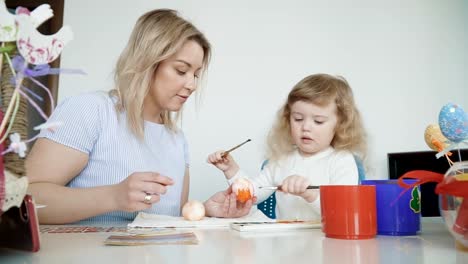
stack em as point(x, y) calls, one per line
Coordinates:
point(312, 126)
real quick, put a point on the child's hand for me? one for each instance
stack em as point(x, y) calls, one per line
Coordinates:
point(226, 164)
point(297, 185)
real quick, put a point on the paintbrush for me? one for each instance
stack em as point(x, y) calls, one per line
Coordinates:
point(279, 187)
point(230, 150)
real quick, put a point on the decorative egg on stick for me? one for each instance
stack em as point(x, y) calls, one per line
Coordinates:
point(453, 123)
point(434, 138)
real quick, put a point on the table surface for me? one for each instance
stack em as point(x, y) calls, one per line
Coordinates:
point(433, 245)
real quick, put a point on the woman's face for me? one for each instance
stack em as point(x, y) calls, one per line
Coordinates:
point(174, 81)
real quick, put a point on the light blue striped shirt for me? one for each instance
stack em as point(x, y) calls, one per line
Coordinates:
point(92, 125)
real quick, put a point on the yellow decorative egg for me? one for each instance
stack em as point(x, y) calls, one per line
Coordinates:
point(434, 138)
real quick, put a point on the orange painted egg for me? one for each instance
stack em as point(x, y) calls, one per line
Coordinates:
point(243, 189)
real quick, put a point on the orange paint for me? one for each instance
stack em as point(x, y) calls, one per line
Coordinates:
point(243, 195)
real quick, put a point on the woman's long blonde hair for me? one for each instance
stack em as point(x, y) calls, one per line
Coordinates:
point(320, 89)
point(157, 35)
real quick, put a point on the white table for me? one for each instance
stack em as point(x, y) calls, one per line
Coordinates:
point(433, 245)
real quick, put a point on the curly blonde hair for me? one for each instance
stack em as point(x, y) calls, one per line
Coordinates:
point(320, 89)
point(157, 35)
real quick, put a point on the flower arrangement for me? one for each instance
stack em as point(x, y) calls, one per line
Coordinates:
point(18, 32)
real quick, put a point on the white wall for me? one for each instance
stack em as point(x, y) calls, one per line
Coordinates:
point(404, 60)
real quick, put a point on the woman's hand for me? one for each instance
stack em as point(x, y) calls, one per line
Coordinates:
point(297, 185)
point(140, 190)
point(226, 164)
point(224, 204)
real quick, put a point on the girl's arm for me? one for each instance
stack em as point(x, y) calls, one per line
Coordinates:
point(226, 164)
point(343, 172)
point(264, 178)
point(232, 172)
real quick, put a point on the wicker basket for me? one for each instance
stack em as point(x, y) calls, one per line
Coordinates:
point(11, 160)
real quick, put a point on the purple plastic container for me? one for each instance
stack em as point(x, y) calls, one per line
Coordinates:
point(396, 216)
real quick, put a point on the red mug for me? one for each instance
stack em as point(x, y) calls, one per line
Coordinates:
point(348, 211)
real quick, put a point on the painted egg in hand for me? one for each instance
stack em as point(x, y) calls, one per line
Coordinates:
point(243, 189)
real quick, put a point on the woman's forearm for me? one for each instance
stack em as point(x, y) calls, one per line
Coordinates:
point(67, 205)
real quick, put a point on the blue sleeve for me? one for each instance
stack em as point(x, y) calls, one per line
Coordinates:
point(80, 119)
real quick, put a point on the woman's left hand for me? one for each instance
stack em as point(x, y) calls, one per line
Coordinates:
point(224, 204)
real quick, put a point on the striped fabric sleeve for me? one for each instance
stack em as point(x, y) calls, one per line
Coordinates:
point(80, 120)
point(186, 151)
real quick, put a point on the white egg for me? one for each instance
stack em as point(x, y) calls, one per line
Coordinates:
point(193, 210)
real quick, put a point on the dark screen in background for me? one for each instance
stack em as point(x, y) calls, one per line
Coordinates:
point(402, 162)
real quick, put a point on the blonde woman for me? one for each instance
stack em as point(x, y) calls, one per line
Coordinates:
point(121, 152)
point(314, 138)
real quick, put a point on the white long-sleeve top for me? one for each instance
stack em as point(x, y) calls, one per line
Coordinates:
point(328, 167)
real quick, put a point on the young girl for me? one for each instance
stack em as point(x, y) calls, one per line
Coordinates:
point(312, 142)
